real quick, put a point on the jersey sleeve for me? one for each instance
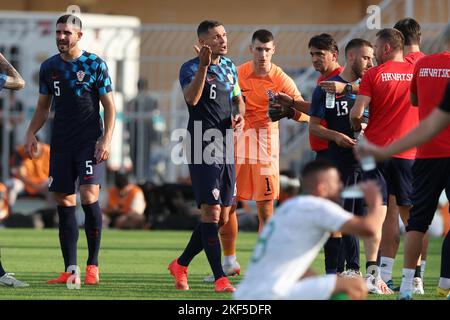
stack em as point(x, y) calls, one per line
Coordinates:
point(445, 104)
point(289, 87)
point(2, 80)
point(331, 216)
point(236, 89)
point(44, 87)
point(187, 74)
point(103, 83)
point(317, 108)
point(366, 85)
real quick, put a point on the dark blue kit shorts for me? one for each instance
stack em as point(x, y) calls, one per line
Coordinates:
point(394, 176)
point(213, 183)
point(350, 176)
point(69, 166)
point(431, 177)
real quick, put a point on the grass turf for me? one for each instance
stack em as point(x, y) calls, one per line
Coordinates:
point(133, 265)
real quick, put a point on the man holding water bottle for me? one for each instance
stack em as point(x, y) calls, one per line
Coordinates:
point(342, 139)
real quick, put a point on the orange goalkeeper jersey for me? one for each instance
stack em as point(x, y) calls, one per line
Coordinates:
point(254, 90)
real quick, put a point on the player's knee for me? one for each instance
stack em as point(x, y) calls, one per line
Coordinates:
point(223, 220)
point(210, 213)
point(265, 209)
point(89, 194)
point(65, 200)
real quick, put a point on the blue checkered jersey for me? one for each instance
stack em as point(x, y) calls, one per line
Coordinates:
point(337, 118)
point(2, 80)
point(214, 108)
point(76, 87)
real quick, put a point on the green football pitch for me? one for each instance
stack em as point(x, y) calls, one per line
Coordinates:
point(133, 265)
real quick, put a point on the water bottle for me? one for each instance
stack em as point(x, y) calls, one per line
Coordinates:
point(329, 100)
point(352, 192)
point(367, 162)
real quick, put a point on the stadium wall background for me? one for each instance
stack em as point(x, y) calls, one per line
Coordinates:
point(229, 12)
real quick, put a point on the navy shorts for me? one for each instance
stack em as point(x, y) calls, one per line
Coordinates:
point(394, 177)
point(431, 177)
point(69, 166)
point(214, 184)
point(350, 176)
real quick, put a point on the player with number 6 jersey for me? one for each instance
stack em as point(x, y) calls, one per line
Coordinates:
point(211, 91)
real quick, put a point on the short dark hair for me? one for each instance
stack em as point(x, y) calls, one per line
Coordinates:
point(357, 43)
point(393, 37)
point(324, 41)
point(262, 35)
point(120, 179)
point(70, 18)
point(205, 25)
point(410, 29)
point(313, 167)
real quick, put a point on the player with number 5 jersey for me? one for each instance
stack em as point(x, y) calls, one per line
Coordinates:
point(75, 82)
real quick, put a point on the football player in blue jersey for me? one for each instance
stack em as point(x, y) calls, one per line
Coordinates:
point(342, 139)
point(9, 79)
point(75, 81)
point(213, 97)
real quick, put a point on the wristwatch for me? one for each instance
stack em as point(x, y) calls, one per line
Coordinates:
point(348, 88)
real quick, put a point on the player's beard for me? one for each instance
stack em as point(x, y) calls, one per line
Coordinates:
point(65, 50)
point(357, 70)
point(67, 47)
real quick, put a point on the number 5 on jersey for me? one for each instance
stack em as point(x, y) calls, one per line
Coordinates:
point(56, 87)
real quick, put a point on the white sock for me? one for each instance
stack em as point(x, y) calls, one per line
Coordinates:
point(386, 266)
point(444, 283)
point(423, 263)
point(407, 280)
point(229, 259)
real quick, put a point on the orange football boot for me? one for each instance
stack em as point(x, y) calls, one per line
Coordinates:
point(62, 279)
point(92, 275)
point(223, 285)
point(180, 274)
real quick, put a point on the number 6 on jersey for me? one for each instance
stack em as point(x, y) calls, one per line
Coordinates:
point(212, 92)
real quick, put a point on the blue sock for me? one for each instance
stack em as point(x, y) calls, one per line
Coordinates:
point(93, 230)
point(68, 235)
point(351, 245)
point(211, 244)
point(2, 271)
point(194, 247)
point(445, 260)
point(331, 250)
